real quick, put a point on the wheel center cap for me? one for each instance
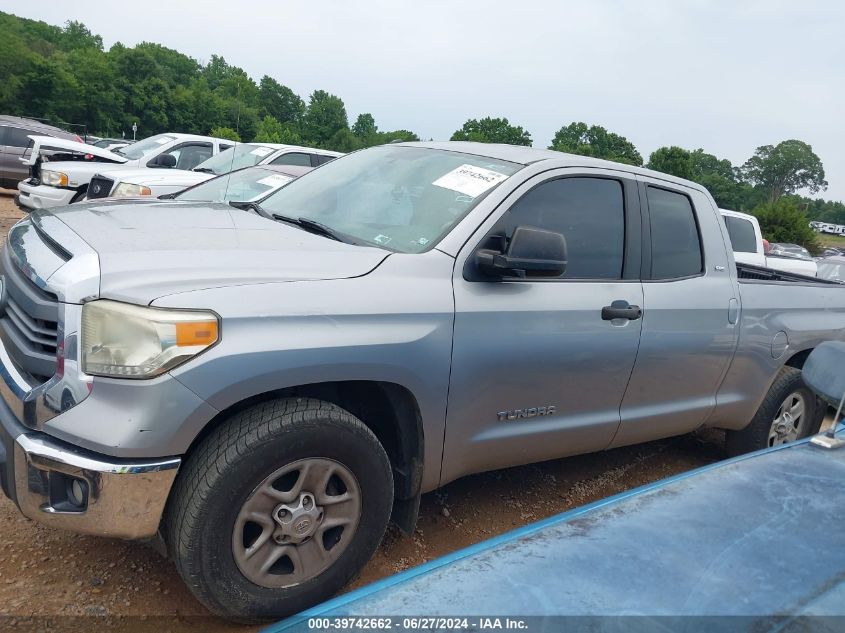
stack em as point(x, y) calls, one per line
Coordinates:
point(297, 521)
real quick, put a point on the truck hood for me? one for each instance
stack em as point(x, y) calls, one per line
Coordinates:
point(149, 248)
point(48, 142)
point(154, 176)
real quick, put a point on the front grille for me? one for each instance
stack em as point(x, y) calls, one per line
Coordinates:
point(99, 187)
point(28, 322)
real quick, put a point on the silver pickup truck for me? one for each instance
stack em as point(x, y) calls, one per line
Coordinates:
point(265, 388)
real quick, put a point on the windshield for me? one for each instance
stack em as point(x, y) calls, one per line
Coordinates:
point(244, 185)
point(142, 148)
point(237, 157)
point(404, 199)
point(832, 271)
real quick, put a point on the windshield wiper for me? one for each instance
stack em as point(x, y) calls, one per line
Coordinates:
point(206, 170)
point(247, 205)
point(312, 226)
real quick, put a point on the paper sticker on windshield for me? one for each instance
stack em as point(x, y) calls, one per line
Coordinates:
point(381, 239)
point(470, 180)
point(261, 151)
point(274, 180)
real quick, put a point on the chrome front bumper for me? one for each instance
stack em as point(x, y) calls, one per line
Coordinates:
point(122, 498)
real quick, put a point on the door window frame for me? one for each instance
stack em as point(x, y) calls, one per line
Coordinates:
point(633, 223)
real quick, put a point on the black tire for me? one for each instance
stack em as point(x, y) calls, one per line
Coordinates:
point(228, 465)
point(756, 435)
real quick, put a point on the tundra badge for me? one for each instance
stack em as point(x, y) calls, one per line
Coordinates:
point(519, 414)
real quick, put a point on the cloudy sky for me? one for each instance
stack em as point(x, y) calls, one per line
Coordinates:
point(723, 75)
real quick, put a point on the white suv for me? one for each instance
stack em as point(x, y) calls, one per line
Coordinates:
point(148, 182)
point(52, 184)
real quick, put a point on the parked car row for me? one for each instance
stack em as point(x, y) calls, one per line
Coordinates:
point(61, 169)
point(156, 182)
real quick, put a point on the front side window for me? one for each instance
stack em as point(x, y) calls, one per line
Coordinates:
point(145, 147)
point(237, 157)
point(404, 199)
point(589, 212)
point(189, 155)
point(675, 242)
point(741, 232)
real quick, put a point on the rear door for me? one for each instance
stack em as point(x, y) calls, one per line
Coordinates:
point(689, 325)
point(538, 372)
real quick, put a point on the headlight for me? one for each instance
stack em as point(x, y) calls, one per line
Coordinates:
point(53, 178)
point(128, 190)
point(122, 340)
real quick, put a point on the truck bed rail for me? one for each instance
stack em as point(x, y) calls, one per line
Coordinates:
point(749, 272)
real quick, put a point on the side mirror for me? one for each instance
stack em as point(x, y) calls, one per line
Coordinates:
point(163, 160)
point(531, 252)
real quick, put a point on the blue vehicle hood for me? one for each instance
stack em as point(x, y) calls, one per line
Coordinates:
point(761, 535)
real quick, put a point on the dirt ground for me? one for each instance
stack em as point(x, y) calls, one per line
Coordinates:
point(49, 573)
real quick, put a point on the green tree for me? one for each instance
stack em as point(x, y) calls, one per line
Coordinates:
point(225, 132)
point(324, 118)
point(271, 130)
point(783, 221)
point(365, 126)
point(76, 35)
point(595, 141)
point(673, 160)
point(405, 136)
point(279, 101)
point(785, 168)
point(490, 130)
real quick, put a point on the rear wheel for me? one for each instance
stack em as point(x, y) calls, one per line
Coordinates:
point(279, 508)
point(789, 412)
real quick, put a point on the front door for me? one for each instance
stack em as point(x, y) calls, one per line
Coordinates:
point(538, 371)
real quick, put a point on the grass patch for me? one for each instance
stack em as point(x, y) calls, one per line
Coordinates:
point(828, 239)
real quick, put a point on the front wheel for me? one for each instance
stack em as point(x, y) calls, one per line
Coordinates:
point(278, 508)
point(789, 412)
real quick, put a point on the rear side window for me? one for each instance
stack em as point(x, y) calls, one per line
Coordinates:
point(321, 158)
point(293, 158)
point(742, 235)
point(675, 242)
point(2, 134)
point(589, 212)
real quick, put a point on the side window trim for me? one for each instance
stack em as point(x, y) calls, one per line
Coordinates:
point(633, 225)
point(646, 229)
